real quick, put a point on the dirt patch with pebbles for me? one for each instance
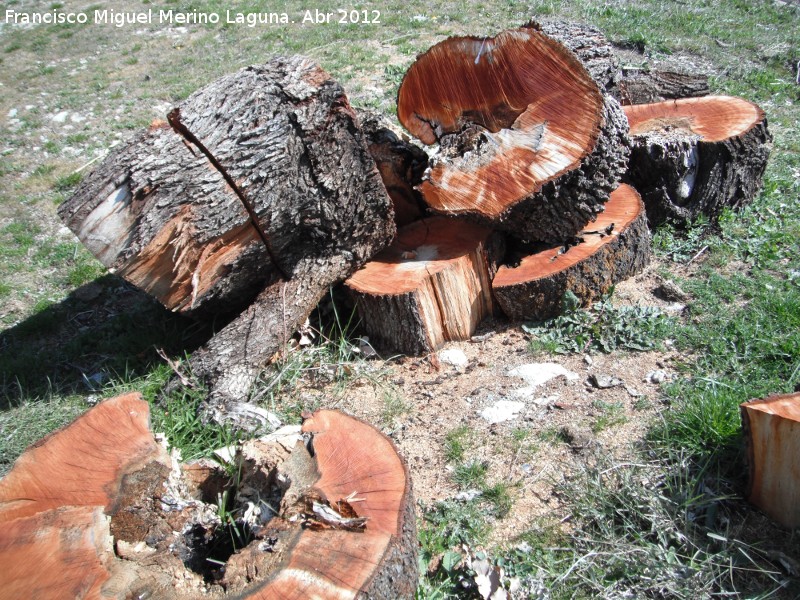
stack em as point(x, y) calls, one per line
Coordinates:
point(603, 405)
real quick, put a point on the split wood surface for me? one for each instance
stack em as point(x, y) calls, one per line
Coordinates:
point(431, 286)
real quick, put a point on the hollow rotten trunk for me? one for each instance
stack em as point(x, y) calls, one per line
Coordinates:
point(430, 286)
point(527, 142)
point(772, 437)
point(697, 155)
point(260, 184)
point(99, 510)
point(614, 247)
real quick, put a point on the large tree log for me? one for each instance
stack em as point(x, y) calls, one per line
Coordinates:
point(697, 156)
point(260, 170)
point(431, 286)
point(772, 437)
point(120, 520)
point(528, 143)
point(158, 214)
point(613, 248)
point(264, 179)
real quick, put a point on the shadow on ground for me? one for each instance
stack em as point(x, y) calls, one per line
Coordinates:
point(103, 330)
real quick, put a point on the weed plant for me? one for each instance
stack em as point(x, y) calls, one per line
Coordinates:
point(602, 327)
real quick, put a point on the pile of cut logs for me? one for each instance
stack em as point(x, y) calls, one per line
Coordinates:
point(265, 188)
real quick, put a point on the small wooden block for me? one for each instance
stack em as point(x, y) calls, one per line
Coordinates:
point(772, 436)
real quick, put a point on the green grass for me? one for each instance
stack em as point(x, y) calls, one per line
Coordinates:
point(332, 358)
point(611, 415)
point(444, 529)
point(394, 405)
point(176, 414)
point(456, 443)
point(471, 474)
point(654, 529)
point(27, 422)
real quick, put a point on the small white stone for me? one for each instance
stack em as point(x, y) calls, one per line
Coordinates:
point(536, 374)
point(467, 495)
point(675, 307)
point(454, 357)
point(523, 393)
point(12, 113)
point(655, 377)
point(502, 410)
point(60, 117)
point(546, 401)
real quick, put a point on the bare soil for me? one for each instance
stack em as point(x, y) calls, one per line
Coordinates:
point(564, 424)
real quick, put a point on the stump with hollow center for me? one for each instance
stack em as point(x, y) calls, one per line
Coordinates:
point(100, 510)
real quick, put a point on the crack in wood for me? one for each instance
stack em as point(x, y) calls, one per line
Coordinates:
point(174, 119)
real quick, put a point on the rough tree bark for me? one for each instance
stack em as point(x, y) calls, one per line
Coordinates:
point(431, 286)
point(124, 521)
point(158, 214)
point(293, 203)
point(614, 247)
point(648, 85)
point(591, 47)
point(697, 156)
point(772, 438)
point(528, 143)
point(401, 165)
point(232, 359)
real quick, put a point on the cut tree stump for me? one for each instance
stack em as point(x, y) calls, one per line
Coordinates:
point(261, 186)
point(697, 156)
point(431, 286)
point(99, 510)
point(55, 503)
point(528, 143)
point(614, 247)
point(772, 437)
